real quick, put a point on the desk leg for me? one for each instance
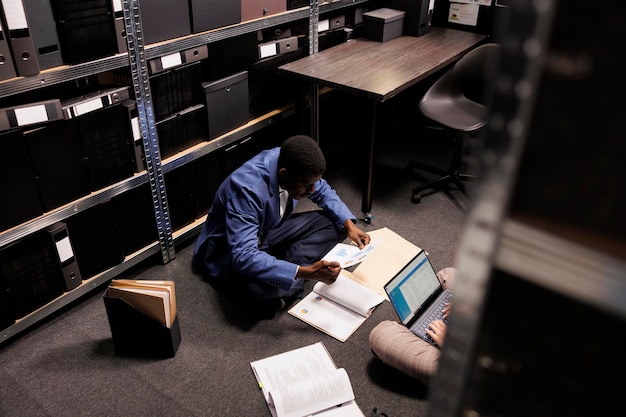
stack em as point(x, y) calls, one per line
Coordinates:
point(366, 205)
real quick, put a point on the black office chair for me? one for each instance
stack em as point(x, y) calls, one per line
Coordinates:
point(456, 102)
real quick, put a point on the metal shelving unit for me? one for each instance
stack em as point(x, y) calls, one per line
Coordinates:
point(136, 61)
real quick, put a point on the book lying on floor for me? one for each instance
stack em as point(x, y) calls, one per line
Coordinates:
point(155, 299)
point(305, 382)
point(337, 309)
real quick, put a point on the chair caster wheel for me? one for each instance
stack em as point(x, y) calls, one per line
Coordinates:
point(368, 217)
point(416, 198)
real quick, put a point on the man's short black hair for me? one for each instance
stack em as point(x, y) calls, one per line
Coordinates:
point(301, 155)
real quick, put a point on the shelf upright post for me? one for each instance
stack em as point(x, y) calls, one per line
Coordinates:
point(147, 124)
point(514, 89)
point(314, 95)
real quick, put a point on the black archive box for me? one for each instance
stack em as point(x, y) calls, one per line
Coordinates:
point(227, 102)
point(207, 15)
point(86, 29)
point(164, 19)
point(31, 273)
point(383, 24)
point(18, 180)
point(135, 334)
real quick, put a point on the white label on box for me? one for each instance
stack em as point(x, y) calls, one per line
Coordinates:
point(479, 2)
point(323, 25)
point(65, 249)
point(172, 60)
point(31, 115)
point(268, 49)
point(15, 15)
point(88, 106)
point(134, 124)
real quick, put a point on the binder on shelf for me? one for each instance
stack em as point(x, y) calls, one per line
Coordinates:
point(44, 32)
point(279, 46)
point(58, 163)
point(107, 146)
point(65, 255)
point(7, 70)
point(20, 37)
point(30, 114)
point(79, 106)
point(227, 102)
point(95, 239)
point(18, 181)
point(134, 218)
point(177, 59)
point(136, 334)
point(176, 89)
point(180, 198)
point(139, 157)
point(120, 27)
point(86, 29)
point(7, 318)
point(182, 130)
point(207, 15)
point(31, 273)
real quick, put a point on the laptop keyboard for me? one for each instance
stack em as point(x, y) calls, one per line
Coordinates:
point(434, 313)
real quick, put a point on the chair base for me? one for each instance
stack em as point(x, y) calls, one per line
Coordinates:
point(443, 183)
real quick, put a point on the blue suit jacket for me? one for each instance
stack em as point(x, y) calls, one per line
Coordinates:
point(246, 206)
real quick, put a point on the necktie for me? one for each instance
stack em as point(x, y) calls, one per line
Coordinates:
point(284, 198)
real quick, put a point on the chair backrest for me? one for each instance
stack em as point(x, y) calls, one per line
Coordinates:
point(457, 98)
point(471, 73)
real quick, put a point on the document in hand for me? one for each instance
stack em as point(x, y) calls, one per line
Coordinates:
point(155, 299)
point(337, 309)
point(390, 254)
point(305, 382)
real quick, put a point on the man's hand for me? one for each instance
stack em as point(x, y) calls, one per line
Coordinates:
point(324, 271)
point(356, 235)
point(437, 331)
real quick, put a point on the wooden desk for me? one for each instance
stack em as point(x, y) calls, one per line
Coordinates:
point(379, 71)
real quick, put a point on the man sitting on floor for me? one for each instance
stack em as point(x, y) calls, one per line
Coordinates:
point(252, 242)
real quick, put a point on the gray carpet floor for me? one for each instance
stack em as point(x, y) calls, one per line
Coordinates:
point(66, 365)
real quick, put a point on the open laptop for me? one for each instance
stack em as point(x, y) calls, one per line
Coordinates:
point(417, 295)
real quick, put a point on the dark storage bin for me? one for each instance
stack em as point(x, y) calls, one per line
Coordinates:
point(227, 103)
point(207, 15)
point(383, 24)
point(135, 334)
point(164, 19)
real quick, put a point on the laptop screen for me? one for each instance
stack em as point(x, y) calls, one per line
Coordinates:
point(412, 287)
